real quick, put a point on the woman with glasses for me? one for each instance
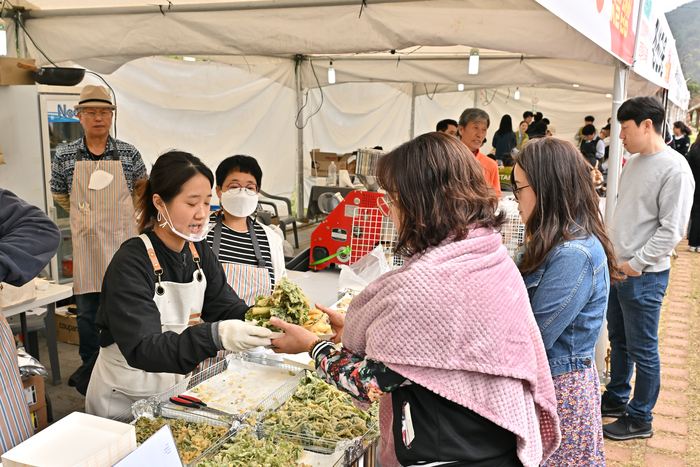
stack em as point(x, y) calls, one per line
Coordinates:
point(567, 263)
point(165, 304)
point(447, 343)
point(250, 252)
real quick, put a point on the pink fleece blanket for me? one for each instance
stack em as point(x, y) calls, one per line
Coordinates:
point(457, 320)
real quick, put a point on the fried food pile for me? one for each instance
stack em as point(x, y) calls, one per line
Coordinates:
point(245, 450)
point(288, 303)
point(191, 438)
point(318, 323)
point(319, 409)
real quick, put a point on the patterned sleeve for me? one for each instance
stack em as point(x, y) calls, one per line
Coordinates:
point(140, 172)
point(61, 171)
point(364, 379)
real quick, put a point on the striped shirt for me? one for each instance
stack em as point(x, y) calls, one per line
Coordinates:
point(63, 164)
point(237, 247)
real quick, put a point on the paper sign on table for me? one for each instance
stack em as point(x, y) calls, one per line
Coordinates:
point(160, 449)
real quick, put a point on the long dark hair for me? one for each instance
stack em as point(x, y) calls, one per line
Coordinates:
point(506, 125)
point(685, 129)
point(566, 205)
point(440, 190)
point(170, 172)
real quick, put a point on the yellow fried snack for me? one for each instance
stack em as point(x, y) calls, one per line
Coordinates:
point(318, 323)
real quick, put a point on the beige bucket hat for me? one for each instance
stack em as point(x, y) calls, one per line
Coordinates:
point(95, 96)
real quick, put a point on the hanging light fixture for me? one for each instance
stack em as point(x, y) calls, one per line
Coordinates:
point(474, 62)
point(189, 59)
point(460, 87)
point(331, 74)
point(517, 94)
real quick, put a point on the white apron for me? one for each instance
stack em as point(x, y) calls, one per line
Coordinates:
point(246, 280)
point(114, 385)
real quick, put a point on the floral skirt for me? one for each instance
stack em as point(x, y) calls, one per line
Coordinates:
point(578, 407)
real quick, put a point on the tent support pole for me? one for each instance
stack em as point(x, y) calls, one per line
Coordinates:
point(615, 155)
point(412, 130)
point(21, 45)
point(300, 141)
point(614, 168)
point(476, 97)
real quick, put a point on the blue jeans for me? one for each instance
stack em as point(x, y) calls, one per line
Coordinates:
point(634, 308)
point(87, 332)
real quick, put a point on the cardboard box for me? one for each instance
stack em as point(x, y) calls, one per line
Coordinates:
point(11, 75)
point(39, 419)
point(34, 391)
point(66, 326)
point(321, 160)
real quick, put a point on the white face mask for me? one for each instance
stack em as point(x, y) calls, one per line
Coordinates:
point(100, 180)
point(190, 238)
point(239, 204)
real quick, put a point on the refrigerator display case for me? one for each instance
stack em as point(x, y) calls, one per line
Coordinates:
point(34, 121)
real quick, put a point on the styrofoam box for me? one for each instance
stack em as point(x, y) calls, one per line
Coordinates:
point(78, 440)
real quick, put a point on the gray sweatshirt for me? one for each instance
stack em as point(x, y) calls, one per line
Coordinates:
point(652, 211)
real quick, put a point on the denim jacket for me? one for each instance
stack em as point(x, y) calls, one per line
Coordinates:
point(569, 297)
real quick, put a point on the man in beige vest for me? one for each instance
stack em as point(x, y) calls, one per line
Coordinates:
point(93, 179)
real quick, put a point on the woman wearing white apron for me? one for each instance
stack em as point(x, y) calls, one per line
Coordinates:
point(250, 253)
point(165, 303)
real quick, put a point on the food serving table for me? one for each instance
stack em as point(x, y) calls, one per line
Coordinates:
point(46, 298)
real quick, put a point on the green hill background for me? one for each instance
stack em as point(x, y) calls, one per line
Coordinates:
point(685, 26)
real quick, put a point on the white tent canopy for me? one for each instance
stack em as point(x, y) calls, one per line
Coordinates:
point(523, 45)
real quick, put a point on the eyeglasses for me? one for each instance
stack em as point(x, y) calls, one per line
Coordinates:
point(384, 205)
point(516, 189)
point(93, 114)
point(250, 189)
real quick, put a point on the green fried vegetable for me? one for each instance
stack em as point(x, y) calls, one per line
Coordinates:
point(287, 303)
point(319, 409)
point(245, 450)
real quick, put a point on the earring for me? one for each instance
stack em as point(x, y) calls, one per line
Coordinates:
point(160, 216)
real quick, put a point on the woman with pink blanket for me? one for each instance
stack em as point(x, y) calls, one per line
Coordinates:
point(447, 343)
point(567, 264)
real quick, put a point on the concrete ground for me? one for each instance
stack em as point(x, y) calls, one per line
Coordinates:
point(676, 440)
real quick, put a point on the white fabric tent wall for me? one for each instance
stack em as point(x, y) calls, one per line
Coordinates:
point(211, 110)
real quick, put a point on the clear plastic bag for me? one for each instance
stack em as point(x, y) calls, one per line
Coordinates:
point(357, 276)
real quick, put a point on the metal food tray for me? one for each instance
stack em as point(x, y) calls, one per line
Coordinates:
point(353, 448)
point(321, 460)
point(194, 380)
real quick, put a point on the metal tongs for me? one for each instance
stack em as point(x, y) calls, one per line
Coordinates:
point(188, 405)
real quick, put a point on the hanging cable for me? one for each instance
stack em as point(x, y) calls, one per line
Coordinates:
point(427, 93)
point(488, 101)
point(306, 98)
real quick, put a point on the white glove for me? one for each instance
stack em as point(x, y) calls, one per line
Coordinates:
point(237, 335)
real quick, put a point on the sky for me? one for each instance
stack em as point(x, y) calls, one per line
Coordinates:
point(668, 5)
